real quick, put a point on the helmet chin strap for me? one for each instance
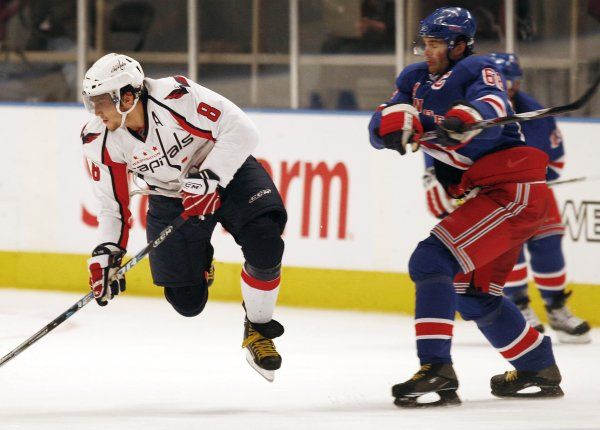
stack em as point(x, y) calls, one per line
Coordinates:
point(124, 114)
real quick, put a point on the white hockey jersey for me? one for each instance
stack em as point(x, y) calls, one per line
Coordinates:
point(187, 126)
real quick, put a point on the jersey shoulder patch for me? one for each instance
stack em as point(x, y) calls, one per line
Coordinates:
point(169, 90)
point(92, 131)
point(411, 74)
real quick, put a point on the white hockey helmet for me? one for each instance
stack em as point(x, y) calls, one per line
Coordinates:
point(109, 75)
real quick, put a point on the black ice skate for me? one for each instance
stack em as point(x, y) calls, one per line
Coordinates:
point(260, 349)
point(528, 313)
point(568, 328)
point(431, 378)
point(511, 383)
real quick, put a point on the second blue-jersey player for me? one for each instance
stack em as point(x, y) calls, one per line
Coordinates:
point(546, 258)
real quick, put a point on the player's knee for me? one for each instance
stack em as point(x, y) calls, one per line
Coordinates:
point(483, 309)
point(187, 301)
point(261, 241)
point(547, 244)
point(431, 259)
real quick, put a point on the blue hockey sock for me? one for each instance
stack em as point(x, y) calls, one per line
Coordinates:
point(434, 319)
point(432, 267)
point(523, 346)
point(548, 266)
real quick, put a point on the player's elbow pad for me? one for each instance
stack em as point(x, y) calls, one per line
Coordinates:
point(252, 137)
point(374, 138)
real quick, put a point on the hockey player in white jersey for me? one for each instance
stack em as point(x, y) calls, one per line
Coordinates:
point(191, 147)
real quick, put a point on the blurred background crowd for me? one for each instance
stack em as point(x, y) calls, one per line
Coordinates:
point(308, 54)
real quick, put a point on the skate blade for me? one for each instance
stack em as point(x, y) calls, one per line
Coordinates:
point(269, 375)
point(447, 398)
point(564, 337)
point(545, 392)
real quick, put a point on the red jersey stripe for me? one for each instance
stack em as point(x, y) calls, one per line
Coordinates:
point(120, 186)
point(192, 129)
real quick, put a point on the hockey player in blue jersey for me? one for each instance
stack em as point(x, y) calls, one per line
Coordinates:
point(503, 183)
point(545, 248)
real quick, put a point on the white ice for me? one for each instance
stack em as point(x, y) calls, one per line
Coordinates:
point(136, 364)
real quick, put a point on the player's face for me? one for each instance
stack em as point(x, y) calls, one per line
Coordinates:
point(105, 109)
point(513, 88)
point(436, 55)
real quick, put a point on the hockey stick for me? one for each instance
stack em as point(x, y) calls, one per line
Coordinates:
point(571, 180)
point(566, 181)
point(163, 235)
point(527, 116)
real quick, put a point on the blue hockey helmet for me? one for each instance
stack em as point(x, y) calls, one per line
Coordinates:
point(508, 65)
point(450, 23)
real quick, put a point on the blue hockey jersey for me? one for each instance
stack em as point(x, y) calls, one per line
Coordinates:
point(541, 134)
point(474, 80)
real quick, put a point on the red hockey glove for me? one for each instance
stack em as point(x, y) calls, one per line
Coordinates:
point(103, 266)
point(200, 194)
point(452, 131)
point(400, 125)
point(439, 202)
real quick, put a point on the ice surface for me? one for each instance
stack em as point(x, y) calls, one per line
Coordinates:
point(136, 364)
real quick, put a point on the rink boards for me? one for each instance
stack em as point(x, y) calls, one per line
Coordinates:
point(355, 214)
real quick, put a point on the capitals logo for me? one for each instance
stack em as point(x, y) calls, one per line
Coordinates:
point(89, 137)
point(180, 91)
point(177, 93)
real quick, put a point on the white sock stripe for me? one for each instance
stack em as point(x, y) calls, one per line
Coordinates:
point(433, 336)
point(556, 274)
point(516, 283)
point(517, 340)
point(533, 346)
point(434, 320)
point(520, 266)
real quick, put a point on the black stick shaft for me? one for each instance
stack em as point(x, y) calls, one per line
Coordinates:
point(528, 116)
point(178, 222)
